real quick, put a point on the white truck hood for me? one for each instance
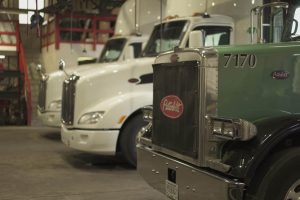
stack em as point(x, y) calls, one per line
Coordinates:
point(98, 90)
point(55, 81)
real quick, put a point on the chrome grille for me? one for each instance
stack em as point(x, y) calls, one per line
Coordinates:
point(180, 80)
point(68, 100)
point(183, 131)
point(42, 95)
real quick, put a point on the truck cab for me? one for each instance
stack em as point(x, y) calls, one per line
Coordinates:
point(101, 111)
point(225, 120)
point(117, 49)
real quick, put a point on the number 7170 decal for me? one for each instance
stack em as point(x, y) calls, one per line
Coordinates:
point(240, 60)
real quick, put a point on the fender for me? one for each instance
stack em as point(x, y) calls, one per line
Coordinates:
point(246, 157)
point(115, 108)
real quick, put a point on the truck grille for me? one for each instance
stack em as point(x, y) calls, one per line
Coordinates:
point(68, 100)
point(176, 107)
point(42, 95)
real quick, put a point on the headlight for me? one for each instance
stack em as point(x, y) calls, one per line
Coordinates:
point(148, 113)
point(91, 118)
point(55, 105)
point(232, 129)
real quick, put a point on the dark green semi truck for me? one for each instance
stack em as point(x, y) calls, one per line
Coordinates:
point(226, 120)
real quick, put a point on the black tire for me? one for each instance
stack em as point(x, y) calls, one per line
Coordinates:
point(128, 138)
point(277, 177)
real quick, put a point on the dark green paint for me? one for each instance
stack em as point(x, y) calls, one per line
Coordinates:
point(251, 93)
point(254, 95)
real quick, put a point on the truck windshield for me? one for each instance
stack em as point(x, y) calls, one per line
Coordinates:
point(215, 35)
point(295, 26)
point(112, 50)
point(172, 33)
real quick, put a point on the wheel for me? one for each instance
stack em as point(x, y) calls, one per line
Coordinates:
point(279, 178)
point(128, 138)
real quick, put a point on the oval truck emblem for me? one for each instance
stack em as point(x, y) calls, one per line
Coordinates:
point(280, 75)
point(174, 58)
point(133, 80)
point(171, 106)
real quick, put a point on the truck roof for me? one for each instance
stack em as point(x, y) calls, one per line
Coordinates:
point(133, 37)
point(212, 19)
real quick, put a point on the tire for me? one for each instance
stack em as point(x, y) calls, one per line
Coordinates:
point(278, 178)
point(128, 138)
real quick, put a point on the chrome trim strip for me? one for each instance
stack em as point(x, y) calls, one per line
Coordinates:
point(68, 100)
point(208, 105)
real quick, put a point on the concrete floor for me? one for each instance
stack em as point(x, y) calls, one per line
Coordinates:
point(35, 165)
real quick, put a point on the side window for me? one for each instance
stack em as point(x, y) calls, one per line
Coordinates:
point(215, 35)
point(137, 46)
point(295, 27)
point(277, 26)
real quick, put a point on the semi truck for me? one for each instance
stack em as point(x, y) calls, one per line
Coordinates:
point(225, 120)
point(117, 49)
point(101, 110)
point(131, 32)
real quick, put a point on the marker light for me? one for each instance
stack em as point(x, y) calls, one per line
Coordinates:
point(147, 113)
point(232, 129)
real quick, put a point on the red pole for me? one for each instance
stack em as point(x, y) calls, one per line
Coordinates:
point(94, 33)
point(57, 31)
point(48, 36)
point(17, 36)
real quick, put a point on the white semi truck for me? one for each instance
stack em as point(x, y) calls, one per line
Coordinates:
point(101, 109)
point(117, 49)
point(127, 45)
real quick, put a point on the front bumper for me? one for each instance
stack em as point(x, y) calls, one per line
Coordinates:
point(50, 118)
point(102, 142)
point(193, 183)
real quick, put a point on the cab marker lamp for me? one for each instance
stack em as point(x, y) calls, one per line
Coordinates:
point(147, 113)
point(232, 129)
point(91, 118)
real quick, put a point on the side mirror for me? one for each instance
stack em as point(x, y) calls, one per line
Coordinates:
point(39, 68)
point(196, 39)
point(294, 27)
point(129, 53)
point(40, 71)
point(61, 65)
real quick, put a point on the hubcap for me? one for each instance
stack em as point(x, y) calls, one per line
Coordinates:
point(294, 192)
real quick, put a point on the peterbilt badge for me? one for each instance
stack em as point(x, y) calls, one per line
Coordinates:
point(171, 106)
point(174, 58)
point(280, 74)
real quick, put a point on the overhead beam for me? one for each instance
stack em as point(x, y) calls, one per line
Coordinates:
point(15, 11)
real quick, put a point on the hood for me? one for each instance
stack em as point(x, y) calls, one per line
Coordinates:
point(97, 90)
point(78, 69)
point(116, 69)
point(56, 79)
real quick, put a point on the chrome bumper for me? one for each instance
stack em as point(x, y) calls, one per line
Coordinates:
point(193, 183)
